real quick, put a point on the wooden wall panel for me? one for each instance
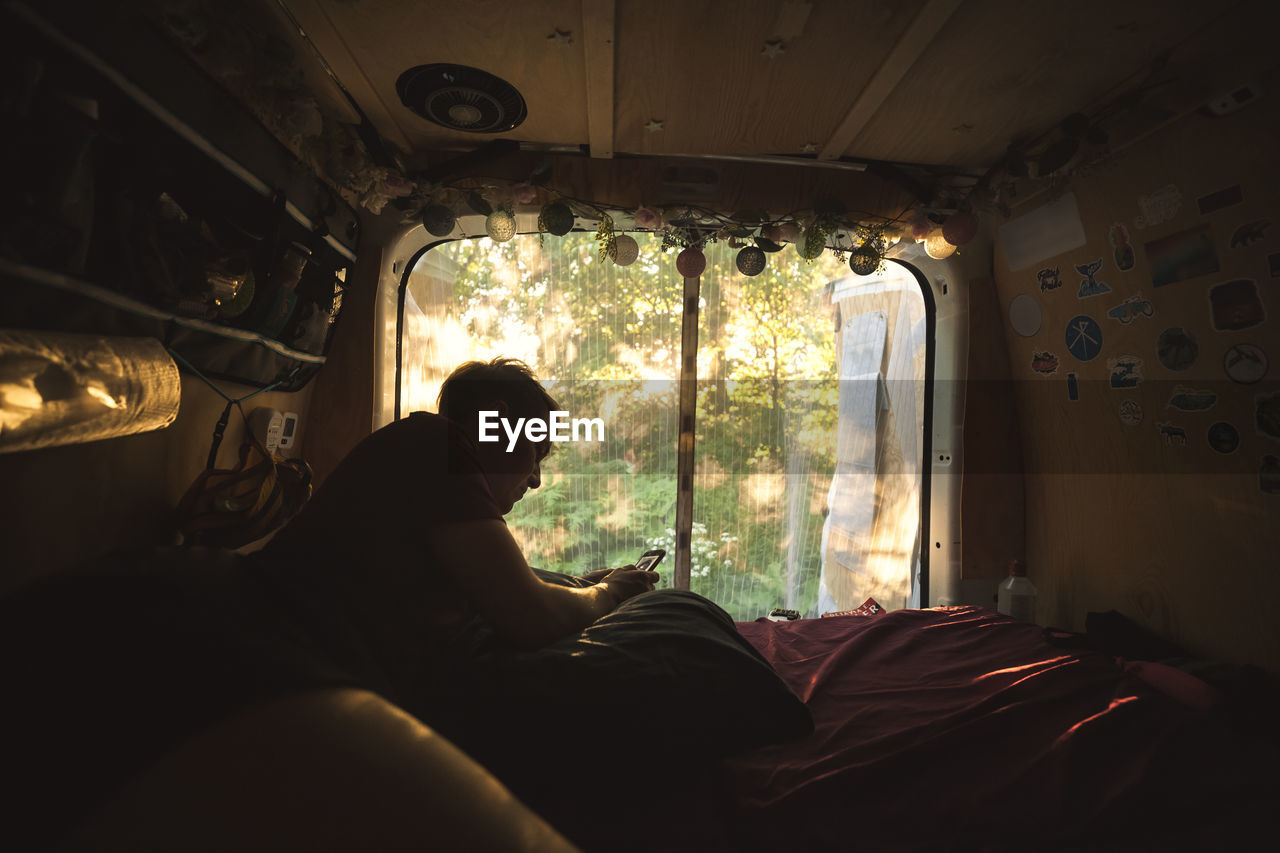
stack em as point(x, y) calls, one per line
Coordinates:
point(1163, 528)
point(992, 491)
point(63, 505)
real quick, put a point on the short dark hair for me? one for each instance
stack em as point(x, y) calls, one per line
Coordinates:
point(477, 383)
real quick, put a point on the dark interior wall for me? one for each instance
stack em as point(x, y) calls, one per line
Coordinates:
point(341, 413)
point(63, 505)
point(60, 506)
point(992, 498)
point(1161, 519)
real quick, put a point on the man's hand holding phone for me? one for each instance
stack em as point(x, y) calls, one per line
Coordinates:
point(631, 580)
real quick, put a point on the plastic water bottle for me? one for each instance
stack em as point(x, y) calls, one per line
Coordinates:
point(1017, 595)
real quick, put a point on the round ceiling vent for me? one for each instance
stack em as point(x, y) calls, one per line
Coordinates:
point(461, 98)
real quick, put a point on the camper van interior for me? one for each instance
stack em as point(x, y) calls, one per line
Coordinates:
point(925, 343)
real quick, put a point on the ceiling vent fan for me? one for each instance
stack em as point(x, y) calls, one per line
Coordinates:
point(461, 98)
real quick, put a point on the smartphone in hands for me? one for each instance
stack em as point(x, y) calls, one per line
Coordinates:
point(649, 560)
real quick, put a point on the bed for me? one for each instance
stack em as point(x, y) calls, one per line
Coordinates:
point(936, 729)
point(665, 726)
point(959, 728)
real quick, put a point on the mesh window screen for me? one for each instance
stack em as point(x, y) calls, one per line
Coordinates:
point(806, 483)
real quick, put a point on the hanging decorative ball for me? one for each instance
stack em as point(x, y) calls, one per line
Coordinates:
point(937, 247)
point(626, 250)
point(864, 260)
point(558, 218)
point(960, 228)
point(751, 261)
point(438, 220)
point(500, 226)
point(691, 262)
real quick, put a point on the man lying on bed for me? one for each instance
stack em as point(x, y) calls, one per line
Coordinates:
point(405, 541)
point(403, 566)
point(190, 687)
point(180, 698)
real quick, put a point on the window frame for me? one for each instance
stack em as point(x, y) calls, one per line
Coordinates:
point(407, 250)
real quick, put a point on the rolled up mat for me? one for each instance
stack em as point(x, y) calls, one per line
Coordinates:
point(58, 388)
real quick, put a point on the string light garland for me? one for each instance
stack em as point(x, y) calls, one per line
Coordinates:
point(858, 237)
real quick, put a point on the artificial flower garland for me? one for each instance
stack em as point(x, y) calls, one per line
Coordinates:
point(826, 226)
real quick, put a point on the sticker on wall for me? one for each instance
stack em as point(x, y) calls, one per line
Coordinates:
point(1084, 337)
point(1048, 278)
point(1158, 206)
point(1269, 475)
point(1044, 362)
point(1049, 230)
point(1130, 413)
point(1218, 200)
point(1131, 309)
point(1122, 249)
point(1249, 233)
point(1177, 349)
point(1024, 315)
point(1172, 434)
point(1223, 437)
point(1244, 363)
point(1235, 305)
point(1089, 285)
point(1185, 254)
point(1273, 265)
point(1126, 371)
point(1186, 399)
point(1266, 414)
point(1073, 387)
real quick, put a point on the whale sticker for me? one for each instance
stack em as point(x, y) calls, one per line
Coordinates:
point(1126, 371)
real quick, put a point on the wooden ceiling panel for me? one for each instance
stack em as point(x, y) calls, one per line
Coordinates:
point(999, 69)
point(699, 68)
point(994, 70)
point(510, 40)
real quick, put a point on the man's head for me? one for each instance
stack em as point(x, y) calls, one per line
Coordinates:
point(507, 386)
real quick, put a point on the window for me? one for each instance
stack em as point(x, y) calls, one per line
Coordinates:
point(809, 417)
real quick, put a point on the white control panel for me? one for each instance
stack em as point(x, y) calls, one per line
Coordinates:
point(276, 430)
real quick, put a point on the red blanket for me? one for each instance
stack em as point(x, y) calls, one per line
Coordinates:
point(958, 728)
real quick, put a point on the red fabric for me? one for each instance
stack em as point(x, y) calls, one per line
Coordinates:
point(959, 726)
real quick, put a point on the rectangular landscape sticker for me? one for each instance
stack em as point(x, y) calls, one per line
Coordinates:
point(1180, 256)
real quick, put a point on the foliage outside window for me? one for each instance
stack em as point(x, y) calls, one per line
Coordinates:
point(606, 341)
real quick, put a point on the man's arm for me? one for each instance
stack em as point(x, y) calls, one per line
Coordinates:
point(485, 561)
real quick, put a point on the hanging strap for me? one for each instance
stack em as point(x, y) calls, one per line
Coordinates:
point(235, 506)
point(221, 426)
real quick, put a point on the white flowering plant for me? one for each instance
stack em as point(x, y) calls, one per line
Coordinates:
point(705, 559)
